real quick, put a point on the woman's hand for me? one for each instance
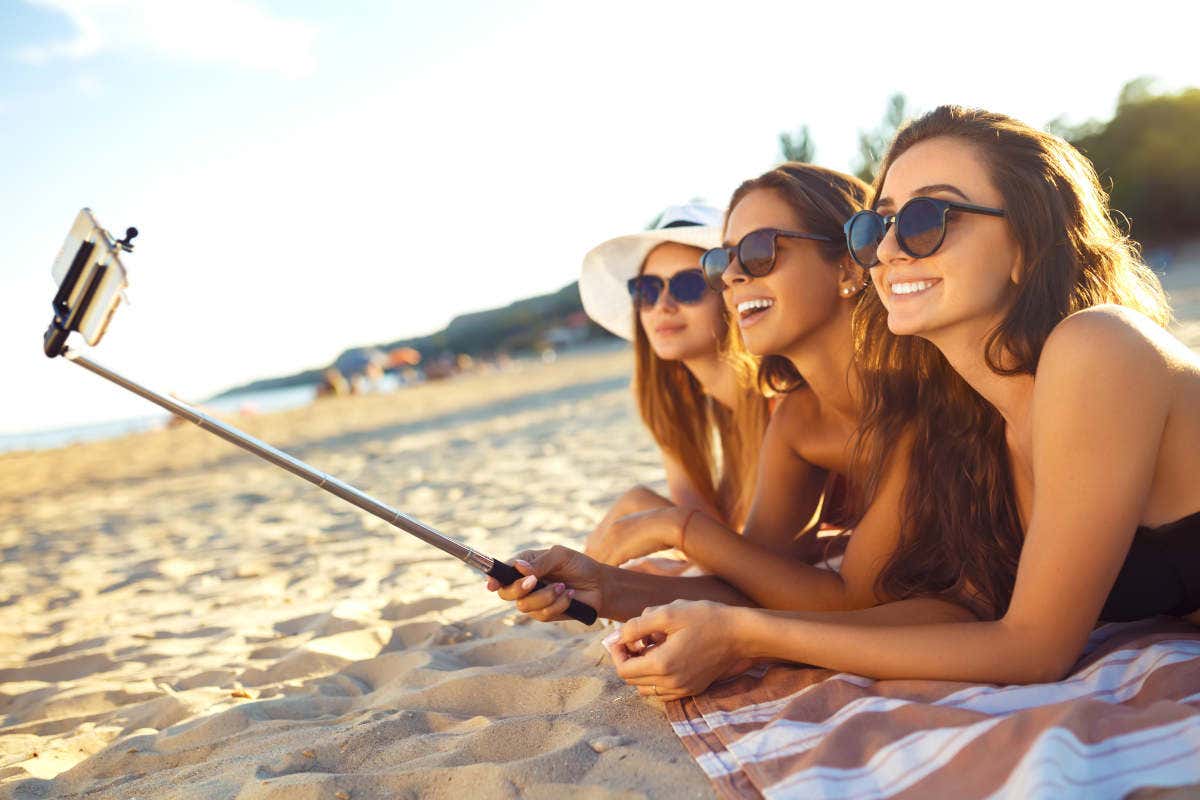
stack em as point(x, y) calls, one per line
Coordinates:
point(568, 573)
point(635, 535)
point(680, 649)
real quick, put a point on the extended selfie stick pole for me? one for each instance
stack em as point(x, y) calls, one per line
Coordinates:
point(472, 558)
point(83, 285)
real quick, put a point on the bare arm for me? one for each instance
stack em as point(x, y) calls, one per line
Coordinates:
point(765, 572)
point(682, 491)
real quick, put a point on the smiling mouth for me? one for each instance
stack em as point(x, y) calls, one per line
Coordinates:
point(750, 311)
point(911, 288)
point(667, 330)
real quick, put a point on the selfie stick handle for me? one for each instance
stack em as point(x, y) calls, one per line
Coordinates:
point(494, 568)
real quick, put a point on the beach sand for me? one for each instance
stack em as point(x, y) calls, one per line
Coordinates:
point(181, 620)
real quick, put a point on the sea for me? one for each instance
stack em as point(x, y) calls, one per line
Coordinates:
point(256, 402)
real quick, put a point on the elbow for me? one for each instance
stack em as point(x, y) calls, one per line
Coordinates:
point(1046, 669)
point(1045, 660)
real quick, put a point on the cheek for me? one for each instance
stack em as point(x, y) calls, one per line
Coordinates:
point(707, 315)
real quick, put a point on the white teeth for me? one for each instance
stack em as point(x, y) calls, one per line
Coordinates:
point(910, 288)
point(753, 305)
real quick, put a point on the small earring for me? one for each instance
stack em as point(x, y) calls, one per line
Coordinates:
point(846, 291)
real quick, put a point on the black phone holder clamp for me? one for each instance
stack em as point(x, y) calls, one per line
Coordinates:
point(67, 315)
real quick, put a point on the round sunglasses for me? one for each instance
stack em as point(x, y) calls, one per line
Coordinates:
point(687, 287)
point(920, 228)
point(755, 252)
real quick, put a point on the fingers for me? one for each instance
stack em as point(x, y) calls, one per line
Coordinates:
point(518, 589)
point(663, 695)
point(646, 667)
point(651, 623)
point(542, 598)
point(556, 609)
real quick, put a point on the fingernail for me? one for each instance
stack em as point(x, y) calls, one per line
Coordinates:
point(529, 582)
point(570, 593)
point(558, 588)
point(521, 562)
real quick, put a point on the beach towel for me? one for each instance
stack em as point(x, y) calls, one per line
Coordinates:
point(1128, 716)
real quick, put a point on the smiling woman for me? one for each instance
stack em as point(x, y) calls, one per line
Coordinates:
point(648, 286)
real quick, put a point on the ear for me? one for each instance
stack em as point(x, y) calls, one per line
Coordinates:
point(851, 279)
point(1017, 272)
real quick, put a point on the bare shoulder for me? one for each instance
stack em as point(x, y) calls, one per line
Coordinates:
point(1110, 340)
point(796, 416)
point(1107, 355)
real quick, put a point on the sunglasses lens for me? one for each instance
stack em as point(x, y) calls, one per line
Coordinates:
point(919, 225)
point(688, 286)
point(863, 235)
point(757, 253)
point(714, 262)
point(644, 290)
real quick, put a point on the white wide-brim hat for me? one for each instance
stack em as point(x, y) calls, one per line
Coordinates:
point(607, 267)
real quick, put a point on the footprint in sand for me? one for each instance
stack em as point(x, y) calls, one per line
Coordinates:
point(397, 612)
point(508, 651)
point(498, 696)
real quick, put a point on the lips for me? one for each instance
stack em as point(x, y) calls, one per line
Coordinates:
point(667, 330)
point(752, 309)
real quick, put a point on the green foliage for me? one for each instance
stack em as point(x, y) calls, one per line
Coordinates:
point(1147, 153)
point(797, 147)
point(873, 144)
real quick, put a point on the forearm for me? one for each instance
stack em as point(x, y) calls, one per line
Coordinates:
point(914, 639)
point(628, 593)
point(766, 576)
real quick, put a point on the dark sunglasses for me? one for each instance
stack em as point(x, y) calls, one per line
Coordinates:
point(686, 286)
point(920, 228)
point(755, 252)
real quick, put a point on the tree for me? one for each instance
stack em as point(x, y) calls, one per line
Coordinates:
point(1147, 156)
point(872, 145)
point(798, 147)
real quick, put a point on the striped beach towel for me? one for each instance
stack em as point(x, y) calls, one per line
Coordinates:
point(1127, 717)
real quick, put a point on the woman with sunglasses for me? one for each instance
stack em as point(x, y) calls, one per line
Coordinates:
point(786, 274)
point(1014, 335)
point(648, 286)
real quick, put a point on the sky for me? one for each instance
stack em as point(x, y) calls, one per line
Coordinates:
point(310, 176)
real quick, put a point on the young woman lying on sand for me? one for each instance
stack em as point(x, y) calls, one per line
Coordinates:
point(684, 382)
point(1015, 341)
point(795, 289)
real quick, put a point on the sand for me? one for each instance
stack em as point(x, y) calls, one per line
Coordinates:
point(181, 620)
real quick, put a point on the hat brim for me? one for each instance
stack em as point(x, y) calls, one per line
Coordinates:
point(607, 268)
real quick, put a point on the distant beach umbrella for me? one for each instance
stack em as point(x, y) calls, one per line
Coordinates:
point(403, 357)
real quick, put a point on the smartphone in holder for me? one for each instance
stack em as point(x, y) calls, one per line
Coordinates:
point(91, 282)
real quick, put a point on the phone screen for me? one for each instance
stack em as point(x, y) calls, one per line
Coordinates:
point(92, 254)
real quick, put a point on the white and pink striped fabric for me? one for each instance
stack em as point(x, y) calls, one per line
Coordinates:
point(1127, 717)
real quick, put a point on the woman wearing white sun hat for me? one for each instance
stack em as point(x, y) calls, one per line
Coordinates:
point(648, 287)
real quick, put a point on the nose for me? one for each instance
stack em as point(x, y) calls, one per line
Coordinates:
point(733, 274)
point(889, 250)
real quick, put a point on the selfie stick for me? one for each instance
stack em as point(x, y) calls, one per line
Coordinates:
point(66, 320)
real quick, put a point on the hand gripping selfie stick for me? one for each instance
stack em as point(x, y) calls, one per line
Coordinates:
point(91, 283)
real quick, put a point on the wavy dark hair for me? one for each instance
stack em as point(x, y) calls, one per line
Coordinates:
point(823, 200)
point(961, 533)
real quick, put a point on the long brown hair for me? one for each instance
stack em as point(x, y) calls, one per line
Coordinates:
point(961, 532)
point(822, 200)
point(682, 419)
